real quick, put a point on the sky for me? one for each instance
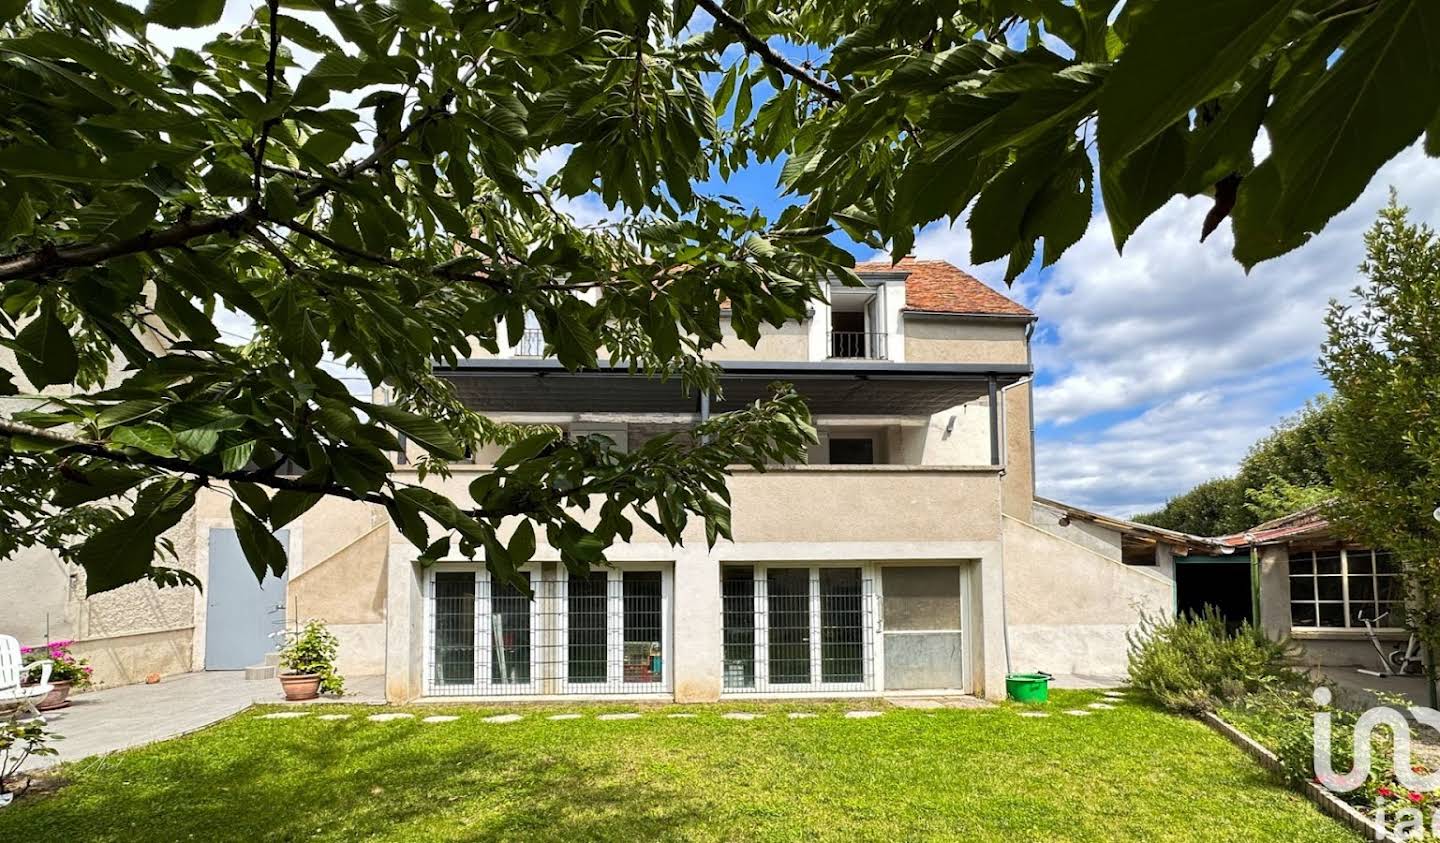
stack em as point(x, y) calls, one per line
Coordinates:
point(1155, 370)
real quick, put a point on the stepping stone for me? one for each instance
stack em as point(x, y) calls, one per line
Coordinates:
point(503, 718)
point(284, 715)
point(861, 715)
point(740, 715)
point(394, 715)
point(1075, 712)
point(620, 715)
point(680, 714)
point(800, 715)
point(1035, 714)
point(564, 717)
point(1101, 706)
point(439, 718)
point(1115, 695)
point(334, 717)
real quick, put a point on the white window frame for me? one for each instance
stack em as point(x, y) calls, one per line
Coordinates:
point(1344, 576)
point(615, 634)
point(760, 616)
point(483, 683)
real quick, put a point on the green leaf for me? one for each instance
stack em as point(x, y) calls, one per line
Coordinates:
point(46, 352)
point(182, 315)
point(149, 437)
point(100, 480)
point(11, 9)
point(1328, 140)
point(262, 550)
point(105, 64)
point(184, 14)
point(429, 433)
point(522, 543)
point(527, 448)
point(127, 411)
point(1138, 186)
point(287, 505)
point(253, 497)
point(1223, 145)
point(121, 552)
point(1183, 53)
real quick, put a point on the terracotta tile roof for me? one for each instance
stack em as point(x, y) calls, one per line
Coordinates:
point(942, 287)
point(1305, 523)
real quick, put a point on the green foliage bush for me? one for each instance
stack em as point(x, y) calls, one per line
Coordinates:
point(313, 650)
point(1194, 663)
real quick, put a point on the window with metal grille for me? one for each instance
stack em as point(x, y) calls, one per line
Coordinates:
point(797, 629)
point(604, 632)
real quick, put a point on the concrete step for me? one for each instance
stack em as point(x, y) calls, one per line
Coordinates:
point(272, 659)
point(261, 671)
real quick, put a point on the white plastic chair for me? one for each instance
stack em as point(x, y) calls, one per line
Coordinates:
point(13, 669)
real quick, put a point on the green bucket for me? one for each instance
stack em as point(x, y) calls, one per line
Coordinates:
point(1028, 687)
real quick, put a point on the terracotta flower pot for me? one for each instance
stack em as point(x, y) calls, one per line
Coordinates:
point(300, 686)
point(59, 697)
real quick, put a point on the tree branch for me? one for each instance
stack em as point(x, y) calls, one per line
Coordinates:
point(269, 94)
point(755, 44)
point(50, 259)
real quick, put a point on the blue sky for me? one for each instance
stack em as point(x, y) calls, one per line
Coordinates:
point(1155, 370)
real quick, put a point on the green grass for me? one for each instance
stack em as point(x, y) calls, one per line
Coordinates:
point(1134, 773)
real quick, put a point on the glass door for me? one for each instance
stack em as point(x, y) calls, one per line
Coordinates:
point(922, 614)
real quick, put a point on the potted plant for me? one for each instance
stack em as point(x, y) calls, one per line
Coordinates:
point(67, 673)
point(307, 663)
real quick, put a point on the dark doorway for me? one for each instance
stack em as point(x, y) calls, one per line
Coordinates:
point(847, 334)
point(1224, 585)
point(852, 452)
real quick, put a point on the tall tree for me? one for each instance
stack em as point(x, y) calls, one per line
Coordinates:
point(354, 178)
point(1383, 357)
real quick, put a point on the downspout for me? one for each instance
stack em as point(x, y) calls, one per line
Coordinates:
point(1254, 580)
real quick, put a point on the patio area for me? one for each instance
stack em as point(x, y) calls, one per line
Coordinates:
point(105, 721)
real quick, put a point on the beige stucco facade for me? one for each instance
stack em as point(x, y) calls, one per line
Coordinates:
point(1018, 589)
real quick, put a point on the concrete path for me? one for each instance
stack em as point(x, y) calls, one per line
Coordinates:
point(105, 721)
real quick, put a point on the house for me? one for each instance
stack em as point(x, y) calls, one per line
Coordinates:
point(908, 554)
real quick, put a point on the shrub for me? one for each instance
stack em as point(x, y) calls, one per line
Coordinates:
point(313, 650)
point(1194, 663)
point(64, 666)
point(18, 741)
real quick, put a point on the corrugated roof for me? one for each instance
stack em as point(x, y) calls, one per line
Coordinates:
point(1174, 538)
point(1305, 522)
point(933, 286)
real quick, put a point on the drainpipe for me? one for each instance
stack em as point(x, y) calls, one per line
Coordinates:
point(994, 422)
point(1254, 581)
point(704, 411)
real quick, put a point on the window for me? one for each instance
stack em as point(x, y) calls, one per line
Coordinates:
point(1335, 589)
point(602, 632)
point(852, 451)
point(613, 436)
point(797, 629)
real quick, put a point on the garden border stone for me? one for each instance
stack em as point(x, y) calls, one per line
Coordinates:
point(1329, 803)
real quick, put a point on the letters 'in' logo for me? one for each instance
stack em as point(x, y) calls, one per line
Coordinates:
point(1405, 774)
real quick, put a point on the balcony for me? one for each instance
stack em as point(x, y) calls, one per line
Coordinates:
point(858, 345)
point(532, 343)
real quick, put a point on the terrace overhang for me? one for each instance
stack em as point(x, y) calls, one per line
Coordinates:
point(850, 387)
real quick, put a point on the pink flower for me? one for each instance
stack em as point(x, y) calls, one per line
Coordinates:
point(1416, 798)
point(1385, 792)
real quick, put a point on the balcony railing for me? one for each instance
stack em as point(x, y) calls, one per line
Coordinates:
point(532, 343)
point(868, 345)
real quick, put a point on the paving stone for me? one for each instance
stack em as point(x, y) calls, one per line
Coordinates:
point(740, 715)
point(1075, 712)
point(620, 715)
point(1115, 695)
point(503, 718)
point(439, 718)
point(800, 715)
point(387, 717)
point(861, 715)
point(564, 717)
point(680, 714)
point(284, 715)
point(1033, 714)
point(333, 717)
point(1101, 706)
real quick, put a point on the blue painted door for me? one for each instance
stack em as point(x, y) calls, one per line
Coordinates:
point(241, 615)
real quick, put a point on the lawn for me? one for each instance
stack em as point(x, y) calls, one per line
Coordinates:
point(1132, 773)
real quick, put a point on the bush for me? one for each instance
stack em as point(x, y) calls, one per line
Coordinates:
point(20, 739)
point(313, 650)
point(1193, 663)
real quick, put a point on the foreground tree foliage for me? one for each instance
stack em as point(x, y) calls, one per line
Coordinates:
point(363, 190)
point(1383, 357)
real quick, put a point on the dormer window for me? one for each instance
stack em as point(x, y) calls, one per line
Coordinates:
point(857, 323)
